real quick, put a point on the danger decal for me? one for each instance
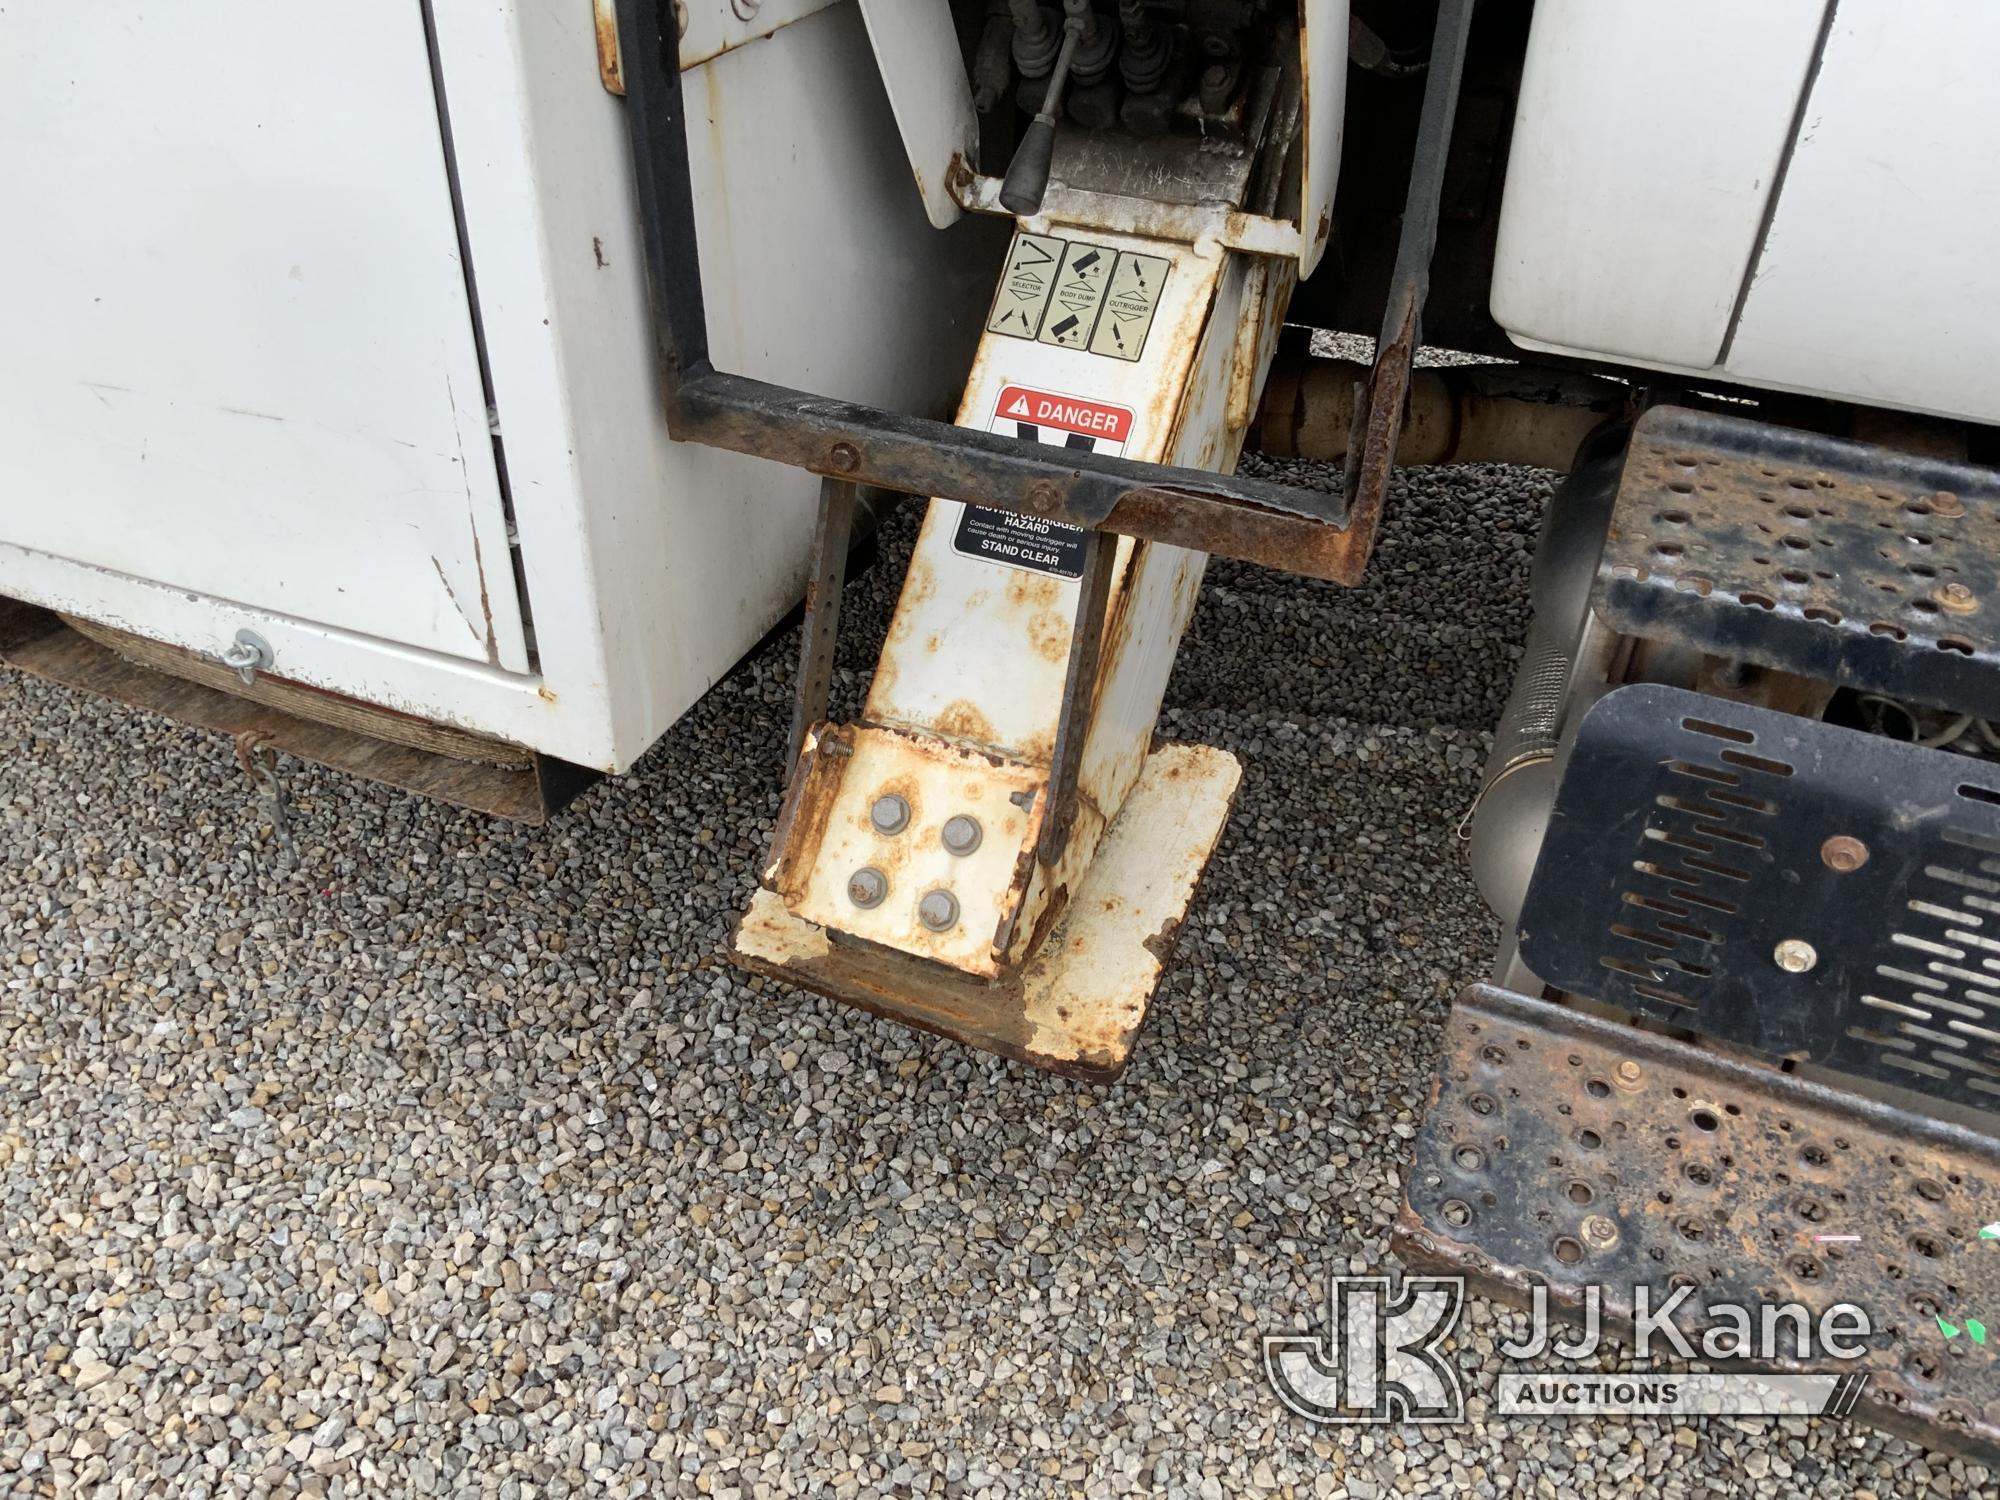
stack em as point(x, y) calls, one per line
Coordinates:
point(1061, 421)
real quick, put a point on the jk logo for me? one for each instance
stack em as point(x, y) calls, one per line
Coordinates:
point(1379, 1360)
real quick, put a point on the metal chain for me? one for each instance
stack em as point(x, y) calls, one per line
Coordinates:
point(259, 761)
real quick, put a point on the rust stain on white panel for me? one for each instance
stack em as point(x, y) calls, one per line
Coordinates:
point(977, 649)
point(1087, 990)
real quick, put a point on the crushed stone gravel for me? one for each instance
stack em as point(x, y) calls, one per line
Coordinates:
point(456, 1161)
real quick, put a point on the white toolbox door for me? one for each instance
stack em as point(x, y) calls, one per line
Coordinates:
point(1880, 277)
point(236, 344)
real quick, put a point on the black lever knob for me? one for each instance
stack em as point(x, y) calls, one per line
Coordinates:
point(1027, 179)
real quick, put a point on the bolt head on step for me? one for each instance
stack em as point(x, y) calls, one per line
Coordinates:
point(961, 835)
point(1795, 956)
point(938, 911)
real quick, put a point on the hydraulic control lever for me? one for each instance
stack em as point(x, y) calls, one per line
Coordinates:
point(1027, 176)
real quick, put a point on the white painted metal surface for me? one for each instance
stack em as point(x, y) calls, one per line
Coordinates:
point(1639, 219)
point(1889, 219)
point(1646, 141)
point(236, 356)
point(1322, 114)
point(651, 566)
point(689, 553)
point(916, 49)
point(1095, 341)
point(713, 27)
point(1015, 688)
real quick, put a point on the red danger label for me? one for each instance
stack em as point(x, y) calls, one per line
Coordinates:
point(1068, 413)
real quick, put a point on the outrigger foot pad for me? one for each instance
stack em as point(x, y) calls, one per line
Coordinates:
point(1077, 1005)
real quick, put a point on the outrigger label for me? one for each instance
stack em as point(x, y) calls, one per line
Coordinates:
point(1129, 306)
point(1076, 295)
point(1073, 422)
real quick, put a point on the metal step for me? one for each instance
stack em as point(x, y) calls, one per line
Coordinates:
point(1843, 561)
point(1567, 1151)
point(1805, 891)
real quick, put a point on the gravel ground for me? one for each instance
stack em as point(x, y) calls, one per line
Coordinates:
point(457, 1161)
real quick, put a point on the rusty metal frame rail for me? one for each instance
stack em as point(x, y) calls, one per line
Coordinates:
point(819, 632)
point(1378, 421)
point(1568, 1152)
point(1235, 516)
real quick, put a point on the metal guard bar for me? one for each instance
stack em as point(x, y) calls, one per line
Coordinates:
point(1300, 531)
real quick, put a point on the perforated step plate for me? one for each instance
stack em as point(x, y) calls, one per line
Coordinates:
point(1567, 1151)
point(1795, 888)
point(1831, 559)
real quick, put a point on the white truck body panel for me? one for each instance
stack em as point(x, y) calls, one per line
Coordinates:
point(916, 50)
point(237, 345)
point(1673, 202)
point(185, 165)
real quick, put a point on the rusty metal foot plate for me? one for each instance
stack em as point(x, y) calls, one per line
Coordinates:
point(1837, 560)
point(1562, 1150)
point(1079, 1002)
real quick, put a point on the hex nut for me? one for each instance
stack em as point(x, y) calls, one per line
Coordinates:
point(961, 834)
point(867, 887)
point(889, 814)
point(938, 911)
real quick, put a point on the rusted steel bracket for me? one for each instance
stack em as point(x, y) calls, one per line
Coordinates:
point(820, 630)
point(1255, 520)
point(1078, 1005)
point(1086, 645)
point(1378, 420)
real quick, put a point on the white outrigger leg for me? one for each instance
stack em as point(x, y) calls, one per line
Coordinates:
point(996, 850)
